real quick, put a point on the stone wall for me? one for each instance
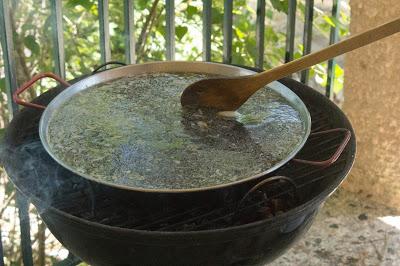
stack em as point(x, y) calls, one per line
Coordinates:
point(372, 101)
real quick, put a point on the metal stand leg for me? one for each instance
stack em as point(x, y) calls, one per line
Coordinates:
point(24, 222)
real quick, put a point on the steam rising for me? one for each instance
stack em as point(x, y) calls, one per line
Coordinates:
point(40, 178)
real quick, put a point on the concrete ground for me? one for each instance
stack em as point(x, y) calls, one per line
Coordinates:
point(349, 230)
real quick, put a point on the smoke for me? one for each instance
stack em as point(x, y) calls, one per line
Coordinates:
point(40, 178)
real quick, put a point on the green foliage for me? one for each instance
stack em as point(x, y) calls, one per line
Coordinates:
point(181, 31)
point(192, 11)
point(321, 76)
point(87, 4)
point(2, 84)
point(2, 130)
point(31, 44)
point(280, 5)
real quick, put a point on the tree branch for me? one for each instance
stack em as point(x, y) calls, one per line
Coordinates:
point(145, 29)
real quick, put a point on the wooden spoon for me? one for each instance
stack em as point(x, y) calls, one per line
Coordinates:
point(230, 93)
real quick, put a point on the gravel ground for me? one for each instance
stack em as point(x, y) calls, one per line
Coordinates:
point(349, 230)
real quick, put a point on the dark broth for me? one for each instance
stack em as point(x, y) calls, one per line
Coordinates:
point(132, 131)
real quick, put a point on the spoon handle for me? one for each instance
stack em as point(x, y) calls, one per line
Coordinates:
point(352, 43)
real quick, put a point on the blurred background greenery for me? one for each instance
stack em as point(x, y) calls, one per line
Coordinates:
point(30, 21)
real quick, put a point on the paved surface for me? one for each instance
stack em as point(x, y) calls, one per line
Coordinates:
point(349, 231)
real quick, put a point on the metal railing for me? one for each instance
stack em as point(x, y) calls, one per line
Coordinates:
point(105, 51)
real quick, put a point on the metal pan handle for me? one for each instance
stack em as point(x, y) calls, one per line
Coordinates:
point(28, 84)
point(266, 181)
point(338, 152)
point(106, 64)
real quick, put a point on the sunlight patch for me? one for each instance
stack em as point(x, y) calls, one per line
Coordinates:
point(391, 220)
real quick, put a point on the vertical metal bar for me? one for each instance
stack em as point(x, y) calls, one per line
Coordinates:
point(129, 32)
point(307, 36)
point(228, 21)
point(333, 39)
point(11, 85)
point(58, 37)
point(1, 250)
point(207, 5)
point(290, 30)
point(260, 29)
point(7, 44)
point(170, 29)
point(24, 223)
point(105, 50)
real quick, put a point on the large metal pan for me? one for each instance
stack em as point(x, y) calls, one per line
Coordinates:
point(196, 67)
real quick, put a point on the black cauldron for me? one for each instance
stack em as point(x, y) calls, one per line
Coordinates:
point(252, 243)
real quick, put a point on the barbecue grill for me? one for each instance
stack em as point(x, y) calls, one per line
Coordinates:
point(107, 226)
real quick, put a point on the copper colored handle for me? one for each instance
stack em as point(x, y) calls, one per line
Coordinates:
point(337, 153)
point(267, 181)
point(28, 84)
